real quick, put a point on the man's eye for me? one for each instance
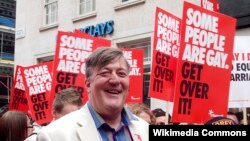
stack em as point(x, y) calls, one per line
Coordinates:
point(105, 74)
point(122, 74)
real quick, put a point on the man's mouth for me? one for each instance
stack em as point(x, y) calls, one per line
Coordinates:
point(113, 91)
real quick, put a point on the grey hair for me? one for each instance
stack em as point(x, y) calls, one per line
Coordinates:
point(101, 57)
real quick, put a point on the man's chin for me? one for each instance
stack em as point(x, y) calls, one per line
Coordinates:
point(114, 106)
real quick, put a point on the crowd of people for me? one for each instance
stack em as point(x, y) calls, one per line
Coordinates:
point(104, 117)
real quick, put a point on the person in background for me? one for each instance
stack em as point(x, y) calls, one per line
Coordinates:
point(65, 102)
point(36, 128)
point(160, 116)
point(220, 121)
point(239, 116)
point(104, 117)
point(15, 126)
point(233, 116)
point(142, 111)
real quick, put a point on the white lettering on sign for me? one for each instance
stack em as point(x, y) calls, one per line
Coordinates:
point(73, 53)
point(71, 66)
point(19, 81)
point(38, 79)
point(127, 54)
point(134, 70)
point(202, 20)
point(203, 43)
point(168, 35)
point(76, 42)
point(207, 5)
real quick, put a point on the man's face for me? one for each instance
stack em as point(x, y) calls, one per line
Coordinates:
point(108, 87)
point(161, 120)
point(145, 116)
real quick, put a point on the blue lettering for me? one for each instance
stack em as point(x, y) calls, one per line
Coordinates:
point(91, 30)
point(100, 29)
point(109, 25)
point(97, 31)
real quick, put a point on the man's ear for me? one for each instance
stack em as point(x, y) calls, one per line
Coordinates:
point(87, 83)
point(54, 113)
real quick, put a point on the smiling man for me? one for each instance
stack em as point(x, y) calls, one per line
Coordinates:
point(104, 117)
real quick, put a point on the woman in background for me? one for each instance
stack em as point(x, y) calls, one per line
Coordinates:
point(15, 126)
point(142, 111)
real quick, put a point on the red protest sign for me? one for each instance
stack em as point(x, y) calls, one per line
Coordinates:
point(72, 49)
point(165, 54)
point(99, 42)
point(204, 65)
point(212, 5)
point(135, 60)
point(18, 99)
point(37, 82)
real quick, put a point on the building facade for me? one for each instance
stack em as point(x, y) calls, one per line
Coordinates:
point(132, 24)
point(7, 44)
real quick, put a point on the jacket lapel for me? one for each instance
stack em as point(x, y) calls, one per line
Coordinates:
point(87, 130)
point(135, 132)
point(88, 134)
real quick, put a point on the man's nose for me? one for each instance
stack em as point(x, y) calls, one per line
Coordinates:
point(114, 79)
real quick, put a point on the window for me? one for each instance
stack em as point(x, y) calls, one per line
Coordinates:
point(51, 9)
point(45, 59)
point(121, 4)
point(86, 6)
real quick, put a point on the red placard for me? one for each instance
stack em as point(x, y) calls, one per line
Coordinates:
point(135, 59)
point(165, 54)
point(204, 65)
point(37, 82)
point(18, 99)
point(72, 49)
point(212, 5)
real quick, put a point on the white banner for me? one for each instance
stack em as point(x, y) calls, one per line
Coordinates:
point(240, 76)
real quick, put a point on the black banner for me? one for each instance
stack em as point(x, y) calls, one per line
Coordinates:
point(157, 132)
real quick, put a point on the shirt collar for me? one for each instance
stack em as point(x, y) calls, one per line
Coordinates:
point(126, 116)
